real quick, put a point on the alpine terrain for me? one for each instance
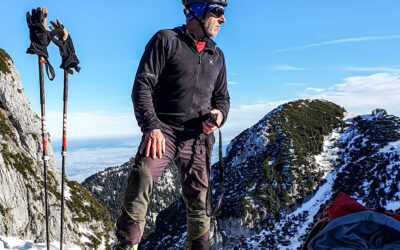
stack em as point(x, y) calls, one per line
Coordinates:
point(282, 170)
point(22, 212)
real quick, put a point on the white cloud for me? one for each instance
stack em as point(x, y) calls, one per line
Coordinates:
point(286, 68)
point(97, 124)
point(374, 69)
point(338, 41)
point(84, 162)
point(233, 83)
point(362, 94)
point(315, 89)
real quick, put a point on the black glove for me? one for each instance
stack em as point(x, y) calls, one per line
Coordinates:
point(40, 38)
point(67, 50)
point(39, 35)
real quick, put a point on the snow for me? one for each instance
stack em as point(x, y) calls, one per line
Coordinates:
point(253, 187)
point(84, 239)
point(252, 138)
point(324, 161)
point(349, 116)
point(324, 192)
point(15, 243)
point(98, 188)
point(168, 182)
point(67, 192)
point(393, 205)
point(84, 232)
point(329, 152)
point(312, 207)
point(388, 148)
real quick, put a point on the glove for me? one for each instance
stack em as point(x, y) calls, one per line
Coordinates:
point(66, 46)
point(40, 37)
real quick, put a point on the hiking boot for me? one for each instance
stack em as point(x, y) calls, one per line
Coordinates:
point(122, 246)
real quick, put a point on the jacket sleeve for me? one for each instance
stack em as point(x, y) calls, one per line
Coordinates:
point(220, 99)
point(150, 68)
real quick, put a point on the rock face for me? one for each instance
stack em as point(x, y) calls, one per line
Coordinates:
point(21, 177)
point(286, 167)
point(109, 186)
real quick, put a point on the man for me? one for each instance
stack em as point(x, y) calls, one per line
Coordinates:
point(180, 81)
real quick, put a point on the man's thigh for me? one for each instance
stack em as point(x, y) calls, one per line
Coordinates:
point(191, 161)
point(157, 165)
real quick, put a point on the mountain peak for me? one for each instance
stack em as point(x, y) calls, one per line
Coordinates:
point(379, 112)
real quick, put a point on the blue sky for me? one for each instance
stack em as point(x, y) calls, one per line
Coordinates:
point(276, 51)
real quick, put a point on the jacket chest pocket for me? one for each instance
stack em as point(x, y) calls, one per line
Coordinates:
point(209, 72)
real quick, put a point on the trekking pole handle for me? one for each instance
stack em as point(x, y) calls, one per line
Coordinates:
point(212, 118)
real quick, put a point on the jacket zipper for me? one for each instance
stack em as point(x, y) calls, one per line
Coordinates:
point(196, 84)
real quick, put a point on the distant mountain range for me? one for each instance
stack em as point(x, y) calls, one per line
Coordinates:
point(280, 172)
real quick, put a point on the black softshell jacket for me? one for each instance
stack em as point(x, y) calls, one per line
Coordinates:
point(176, 85)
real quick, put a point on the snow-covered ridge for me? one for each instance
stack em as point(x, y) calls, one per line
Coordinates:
point(251, 141)
point(370, 150)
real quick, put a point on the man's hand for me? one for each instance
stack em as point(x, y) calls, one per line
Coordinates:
point(208, 126)
point(155, 142)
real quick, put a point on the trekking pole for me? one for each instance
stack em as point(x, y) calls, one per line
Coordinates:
point(45, 158)
point(40, 39)
point(64, 154)
point(69, 60)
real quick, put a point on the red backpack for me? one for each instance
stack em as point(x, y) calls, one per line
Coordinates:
point(342, 205)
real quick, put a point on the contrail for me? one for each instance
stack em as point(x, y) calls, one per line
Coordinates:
point(346, 40)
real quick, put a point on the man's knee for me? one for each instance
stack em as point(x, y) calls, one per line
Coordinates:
point(198, 223)
point(138, 190)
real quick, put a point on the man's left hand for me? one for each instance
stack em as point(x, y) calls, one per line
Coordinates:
point(208, 126)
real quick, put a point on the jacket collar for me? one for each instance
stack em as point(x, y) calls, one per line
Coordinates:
point(210, 44)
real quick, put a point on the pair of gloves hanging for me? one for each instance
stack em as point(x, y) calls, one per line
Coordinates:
point(40, 39)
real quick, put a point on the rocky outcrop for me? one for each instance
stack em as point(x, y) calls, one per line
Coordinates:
point(22, 213)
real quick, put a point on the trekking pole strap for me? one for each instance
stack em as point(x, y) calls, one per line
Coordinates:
point(50, 68)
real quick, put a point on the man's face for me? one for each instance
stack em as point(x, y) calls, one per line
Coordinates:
point(213, 23)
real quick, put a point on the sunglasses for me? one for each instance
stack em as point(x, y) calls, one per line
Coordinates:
point(217, 12)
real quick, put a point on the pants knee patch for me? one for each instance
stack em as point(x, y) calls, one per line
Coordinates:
point(138, 190)
point(198, 223)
